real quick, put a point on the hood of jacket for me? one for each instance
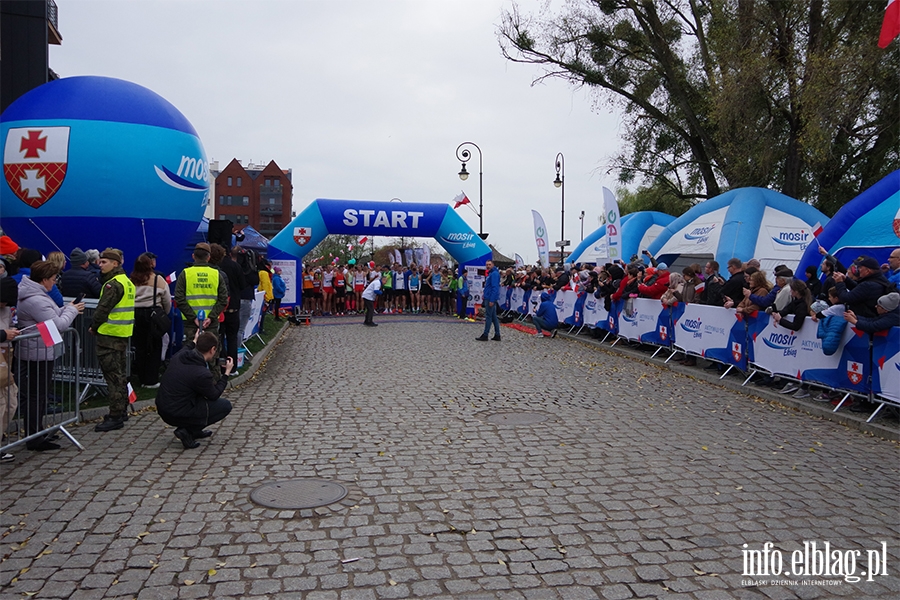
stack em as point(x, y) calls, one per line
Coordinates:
point(545, 297)
point(29, 289)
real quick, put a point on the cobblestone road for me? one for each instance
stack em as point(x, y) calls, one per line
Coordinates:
point(639, 482)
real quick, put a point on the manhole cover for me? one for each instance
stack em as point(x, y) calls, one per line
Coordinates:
point(517, 418)
point(297, 494)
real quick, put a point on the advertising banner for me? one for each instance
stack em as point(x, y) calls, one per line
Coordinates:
point(854, 364)
point(475, 281)
point(661, 334)
point(289, 274)
point(577, 319)
point(564, 301)
point(256, 313)
point(641, 320)
point(701, 329)
point(517, 300)
point(886, 367)
point(594, 311)
point(541, 239)
point(613, 226)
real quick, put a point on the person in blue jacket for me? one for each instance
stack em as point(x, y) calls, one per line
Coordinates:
point(831, 322)
point(491, 297)
point(545, 317)
point(279, 289)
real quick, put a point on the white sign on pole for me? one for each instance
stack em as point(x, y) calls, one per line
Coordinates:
point(289, 274)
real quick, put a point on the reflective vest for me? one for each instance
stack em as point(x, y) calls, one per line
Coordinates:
point(120, 322)
point(201, 288)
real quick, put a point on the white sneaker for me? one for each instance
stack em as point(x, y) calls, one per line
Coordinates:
point(7, 457)
point(789, 388)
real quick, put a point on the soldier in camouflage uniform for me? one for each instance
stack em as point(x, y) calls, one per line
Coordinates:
point(112, 326)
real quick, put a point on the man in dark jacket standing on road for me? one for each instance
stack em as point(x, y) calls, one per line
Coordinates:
point(490, 298)
point(189, 399)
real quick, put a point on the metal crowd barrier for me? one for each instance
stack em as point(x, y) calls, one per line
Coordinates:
point(39, 398)
point(89, 374)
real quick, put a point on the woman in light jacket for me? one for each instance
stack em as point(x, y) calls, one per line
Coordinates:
point(34, 307)
point(149, 288)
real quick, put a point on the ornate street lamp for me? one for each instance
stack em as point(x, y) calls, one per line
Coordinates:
point(463, 155)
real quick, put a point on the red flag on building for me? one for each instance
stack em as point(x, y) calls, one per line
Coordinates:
point(890, 27)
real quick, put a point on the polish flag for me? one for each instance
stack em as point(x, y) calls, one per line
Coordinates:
point(890, 27)
point(817, 229)
point(362, 240)
point(698, 288)
point(460, 200)
point(132, 396)
point(171, 277)
point(49, 333)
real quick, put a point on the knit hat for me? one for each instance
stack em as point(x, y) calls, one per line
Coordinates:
point(277, 269)
point(867, 262)
point(113, 254)
point(7, 246)
point(890, 301)
point(78, 257)
point(662, 266)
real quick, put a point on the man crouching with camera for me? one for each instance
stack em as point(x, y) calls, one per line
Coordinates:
point(189, 396)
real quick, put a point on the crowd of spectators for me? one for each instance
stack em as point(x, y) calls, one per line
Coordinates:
point(864, 295)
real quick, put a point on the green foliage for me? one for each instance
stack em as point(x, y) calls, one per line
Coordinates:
point(657, 197)
point(718, 94)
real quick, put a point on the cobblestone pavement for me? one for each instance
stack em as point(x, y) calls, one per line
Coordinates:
point(639, 483)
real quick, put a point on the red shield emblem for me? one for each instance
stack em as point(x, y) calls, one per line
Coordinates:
point(302, 235)
point(736, 351)
point(663, 332)
point(854, 372)
point(35, 161)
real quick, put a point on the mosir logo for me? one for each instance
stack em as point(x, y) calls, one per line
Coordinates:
point(35, 161)
point(792, 238)
point(463, 240)
point(700, 234)
point(190, 172)
point(692, 326)
point(782, 341)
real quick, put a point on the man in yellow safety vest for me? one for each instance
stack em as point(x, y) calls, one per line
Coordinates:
point(201, 287)
point(112, 325)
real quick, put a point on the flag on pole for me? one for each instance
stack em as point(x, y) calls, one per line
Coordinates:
point(362, 240)
point(541, 239)
point(890, 27)
point(520, 262)
point(613, 227)
point(817, 229)
point(49, 333)
point(460, 200)
point(171, 277)
point(132, 396)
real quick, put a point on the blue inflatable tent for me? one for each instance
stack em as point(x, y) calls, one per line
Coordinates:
point(638, 231)
point(744, 223)
point(869, 224)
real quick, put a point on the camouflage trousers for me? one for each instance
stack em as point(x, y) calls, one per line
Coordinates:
point(112, 363)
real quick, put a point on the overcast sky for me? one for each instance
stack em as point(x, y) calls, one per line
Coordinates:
point(362, 99)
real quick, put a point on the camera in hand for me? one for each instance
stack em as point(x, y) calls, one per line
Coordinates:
point(223, 362)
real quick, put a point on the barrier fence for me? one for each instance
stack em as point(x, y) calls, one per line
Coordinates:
point(39, 397)
point(89, 374)
point(864, 365)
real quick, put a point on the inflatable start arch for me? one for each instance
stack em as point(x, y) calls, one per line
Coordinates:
point(364, 217)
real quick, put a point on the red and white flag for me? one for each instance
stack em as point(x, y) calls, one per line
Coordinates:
point(699, 287)
point(132, 396)
point(49, 333)
point(362, 240)
point(460, 200)
point(171, 277)
point(890, 27)
point(817, 229)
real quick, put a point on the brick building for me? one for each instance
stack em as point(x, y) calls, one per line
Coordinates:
point(255, 195)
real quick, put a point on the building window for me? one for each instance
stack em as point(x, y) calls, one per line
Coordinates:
point(239, 182)
point(272, 201)
point(221, 200)
point(268, 182)
point(246, 200)
point(229, 181)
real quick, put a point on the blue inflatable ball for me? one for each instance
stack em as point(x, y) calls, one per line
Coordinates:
point(93, 162)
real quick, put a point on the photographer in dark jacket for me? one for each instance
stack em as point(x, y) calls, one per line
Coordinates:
point(188, 398)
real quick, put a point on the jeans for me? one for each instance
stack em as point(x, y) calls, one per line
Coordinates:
point(218, 410)
point(490, 316)
point(370, 310)
point(540, 324)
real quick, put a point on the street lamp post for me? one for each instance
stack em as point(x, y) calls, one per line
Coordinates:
point(463, 155)
point(560, 182)
point(581, 218)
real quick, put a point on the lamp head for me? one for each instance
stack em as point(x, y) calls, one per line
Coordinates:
point(557, 182)
point(463, 174)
